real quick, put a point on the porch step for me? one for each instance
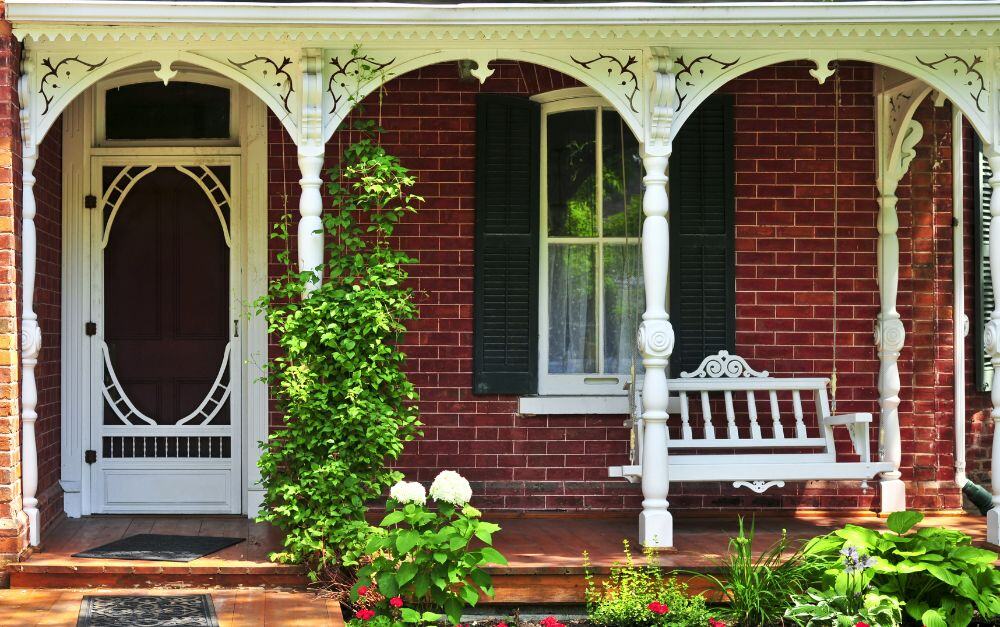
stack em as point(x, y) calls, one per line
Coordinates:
point(245, 564)
point(84, 573)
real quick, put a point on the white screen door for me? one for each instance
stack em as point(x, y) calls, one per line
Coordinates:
point(165, 433)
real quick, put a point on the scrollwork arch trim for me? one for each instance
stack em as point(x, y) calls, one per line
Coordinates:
point(43, 123)
point(979, 120)
point(621, 102)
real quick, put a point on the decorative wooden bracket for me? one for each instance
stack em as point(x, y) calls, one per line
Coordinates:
point(759, 486)
point(897, 99)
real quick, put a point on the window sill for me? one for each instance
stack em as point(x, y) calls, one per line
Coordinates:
point(590, 405)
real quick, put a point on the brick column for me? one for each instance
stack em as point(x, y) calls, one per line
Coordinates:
point(13, 523)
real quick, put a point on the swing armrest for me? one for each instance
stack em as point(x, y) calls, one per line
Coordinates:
point(848, 419)
point(857, 425)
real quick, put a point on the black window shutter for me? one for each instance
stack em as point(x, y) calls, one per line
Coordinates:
point(982, 191)
point(505, 314)
point(702, 237)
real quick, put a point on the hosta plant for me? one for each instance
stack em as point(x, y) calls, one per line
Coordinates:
point(426, 561)
point(834, 609)
point(936, 573)
point(851, 601)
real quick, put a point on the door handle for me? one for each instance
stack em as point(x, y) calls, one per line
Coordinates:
point(236, 328)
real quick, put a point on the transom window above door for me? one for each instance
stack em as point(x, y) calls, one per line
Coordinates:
point(193, 109)
point(590, 273)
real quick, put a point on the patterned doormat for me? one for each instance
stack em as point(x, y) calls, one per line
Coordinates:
point(159, 547)
point(192, 610)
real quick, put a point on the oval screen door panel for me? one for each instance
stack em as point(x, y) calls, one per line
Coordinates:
point(167, 429)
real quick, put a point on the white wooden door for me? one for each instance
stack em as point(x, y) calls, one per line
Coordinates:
point(165, 418)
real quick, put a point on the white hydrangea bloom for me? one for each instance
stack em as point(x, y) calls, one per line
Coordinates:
point(408, 492)
point(451, 487)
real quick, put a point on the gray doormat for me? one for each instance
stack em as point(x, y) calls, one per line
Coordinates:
point(192, 610)
point(161, 548)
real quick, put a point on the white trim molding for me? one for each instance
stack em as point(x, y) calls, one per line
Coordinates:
point(246, 153)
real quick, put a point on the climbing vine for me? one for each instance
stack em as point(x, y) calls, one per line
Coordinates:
point(339, 383)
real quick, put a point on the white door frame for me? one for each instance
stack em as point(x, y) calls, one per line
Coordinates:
point(82, 148)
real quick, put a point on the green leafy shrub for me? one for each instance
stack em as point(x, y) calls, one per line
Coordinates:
point(422, 563)
point(940, 578)
point(759, 589)
point(636, 595)
point(348, 407)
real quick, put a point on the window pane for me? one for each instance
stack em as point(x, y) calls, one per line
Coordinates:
point(572, 309)
point(571, 160)
point(623, 306)
point(176, 111)
point(622, 180)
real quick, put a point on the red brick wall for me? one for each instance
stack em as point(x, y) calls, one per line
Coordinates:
point(13, 525)
point(48, 306)
point(785, 149)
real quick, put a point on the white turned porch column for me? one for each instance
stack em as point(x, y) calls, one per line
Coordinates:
point(897, 135)
point(991, 340)
point(31, 344)
point(889, 337)
point(656, 342)
point(310, 209)
point(655, 337)
point(311, 152)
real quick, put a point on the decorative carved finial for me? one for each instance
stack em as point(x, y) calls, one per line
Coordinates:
point(724, 365)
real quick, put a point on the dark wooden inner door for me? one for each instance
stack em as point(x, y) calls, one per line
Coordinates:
point(166, 289)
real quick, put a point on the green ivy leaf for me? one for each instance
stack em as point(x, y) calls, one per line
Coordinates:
point(453, 608)
point(469, 594)
point(492, 556)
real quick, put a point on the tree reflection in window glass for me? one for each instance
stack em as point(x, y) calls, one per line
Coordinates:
point(622, 180)
point(571, 191)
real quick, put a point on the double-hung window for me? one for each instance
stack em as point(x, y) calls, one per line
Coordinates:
point(558, 276)
point(590, 278)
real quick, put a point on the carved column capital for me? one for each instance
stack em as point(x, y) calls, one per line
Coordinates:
point(655, 338)
point(991, 339)
point(890, 335)
point(31, 339)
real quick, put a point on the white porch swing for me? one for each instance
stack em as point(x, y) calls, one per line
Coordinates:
point(794, 443)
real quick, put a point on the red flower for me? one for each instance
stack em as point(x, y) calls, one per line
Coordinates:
point(550, 621)
point(362, 591)
point(396, 602)
point(861, 624)
point(658, 608)
point(501, 624)
point(365, 614)
point(718, 623)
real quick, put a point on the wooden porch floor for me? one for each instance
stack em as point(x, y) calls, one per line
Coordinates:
point(545, 554)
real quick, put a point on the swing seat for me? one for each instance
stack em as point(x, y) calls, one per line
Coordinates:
point(737, 424)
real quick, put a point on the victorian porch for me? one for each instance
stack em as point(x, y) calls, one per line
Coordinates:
point(816, 162)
